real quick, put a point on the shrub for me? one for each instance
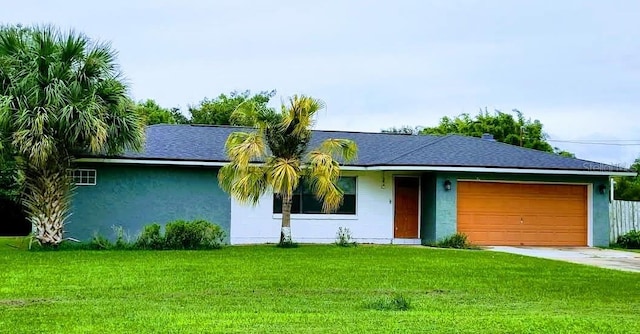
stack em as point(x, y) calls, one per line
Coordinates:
point(630, 240)
point(458, 240)
point(397, 302)
point(150, 238)
point(97, 242)
point(343, 237)
point(123, 240)
point(197, 234)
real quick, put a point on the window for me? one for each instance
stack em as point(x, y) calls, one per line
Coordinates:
point(305, 202)
point(83, 177)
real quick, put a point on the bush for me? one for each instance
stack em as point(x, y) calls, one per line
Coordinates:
point(397, 302)
point(197, 234)
point(343, 237)
point(97, 242)
point(180, 234)
point(458, 240)
point(630, 240)
point(123, 240)
point(150, 238)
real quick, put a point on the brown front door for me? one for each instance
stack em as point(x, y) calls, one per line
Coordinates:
point(407, 199)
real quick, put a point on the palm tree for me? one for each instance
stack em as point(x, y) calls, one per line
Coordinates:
point(275, 157)
point(65, 97)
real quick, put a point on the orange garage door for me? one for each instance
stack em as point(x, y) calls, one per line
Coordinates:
point(492, 213)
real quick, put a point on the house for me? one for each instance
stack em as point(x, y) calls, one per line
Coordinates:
point(402, 189)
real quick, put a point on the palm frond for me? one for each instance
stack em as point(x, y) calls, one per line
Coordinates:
point(245, 147)
point(298, 117)
point(343, 149)
point(283, 174)
point(244, 184)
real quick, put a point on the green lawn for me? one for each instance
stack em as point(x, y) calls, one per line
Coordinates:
point(309, 289)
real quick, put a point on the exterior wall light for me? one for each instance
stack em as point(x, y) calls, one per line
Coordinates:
point(447, 185)
point(602, 188)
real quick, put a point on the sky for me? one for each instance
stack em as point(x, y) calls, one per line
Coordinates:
point(573, 65)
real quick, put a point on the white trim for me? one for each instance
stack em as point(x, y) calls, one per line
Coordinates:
point(72, 174)
point(590, 214)
point(317, 216)
point(393, 225)
point(589, 199)
point(154, 162)
point(493, 170)
point(595, 172)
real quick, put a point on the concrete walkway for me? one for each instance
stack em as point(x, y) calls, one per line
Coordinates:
point(604, 258)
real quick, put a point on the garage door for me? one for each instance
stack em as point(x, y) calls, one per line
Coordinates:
point(493, 213)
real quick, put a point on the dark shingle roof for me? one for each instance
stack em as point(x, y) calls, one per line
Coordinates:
point(206, 143)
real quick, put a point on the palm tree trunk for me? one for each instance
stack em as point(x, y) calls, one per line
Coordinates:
point(47, 203)
point(285, 231)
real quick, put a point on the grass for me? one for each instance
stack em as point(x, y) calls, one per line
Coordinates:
point(309, 289)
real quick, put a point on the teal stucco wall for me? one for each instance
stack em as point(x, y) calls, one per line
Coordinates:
point(428, 207)
point(445, 202)
point(133, 196)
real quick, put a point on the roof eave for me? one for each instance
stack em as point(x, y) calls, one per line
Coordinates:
point(462, 169)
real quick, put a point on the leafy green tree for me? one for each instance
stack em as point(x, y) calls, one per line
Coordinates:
point(218, 111)
point(403, 130)
point(504, 127)
point(179, 117)
point(11, 180)
point(628, 188)
point(64, 97)
point(152, 113)
point(281, 141)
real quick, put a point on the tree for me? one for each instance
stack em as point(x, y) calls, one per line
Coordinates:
point(218, 111)
point(628, 188)
point(286, 135)
point(403, 130)
point(64, 97)
point(152, 113)
point(503, 126)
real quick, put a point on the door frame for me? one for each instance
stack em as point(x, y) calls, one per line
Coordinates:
point(393, 217)
point(589, 199)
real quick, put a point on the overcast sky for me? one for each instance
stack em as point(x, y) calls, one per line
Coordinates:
point(574, 65)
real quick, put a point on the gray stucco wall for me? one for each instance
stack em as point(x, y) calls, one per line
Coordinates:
point(134, 196)
point(446, 201)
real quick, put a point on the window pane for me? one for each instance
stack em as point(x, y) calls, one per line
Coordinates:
point(310, 204)
point(348, 185)
point(348, 206)
point(277, 204)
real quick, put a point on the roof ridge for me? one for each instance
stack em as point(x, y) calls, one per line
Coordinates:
point(417, 149)
point(538, 151)
point(228, 126)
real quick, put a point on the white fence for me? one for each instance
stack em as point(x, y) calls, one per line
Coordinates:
point(624, 216)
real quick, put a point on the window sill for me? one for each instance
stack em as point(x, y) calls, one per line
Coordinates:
point(298, 216)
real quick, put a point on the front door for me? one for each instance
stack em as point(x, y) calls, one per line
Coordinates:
point(406, 209)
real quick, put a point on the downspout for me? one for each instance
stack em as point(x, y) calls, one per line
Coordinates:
point(612, 189)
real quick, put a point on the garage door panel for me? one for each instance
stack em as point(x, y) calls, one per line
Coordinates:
point(493, 213)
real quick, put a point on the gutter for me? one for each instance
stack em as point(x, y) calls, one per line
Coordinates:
point(592, 172)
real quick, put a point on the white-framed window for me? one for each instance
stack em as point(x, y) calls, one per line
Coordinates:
point(83, 177)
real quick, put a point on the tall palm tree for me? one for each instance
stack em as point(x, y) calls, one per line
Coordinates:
point(65, 97)
point(276, 156)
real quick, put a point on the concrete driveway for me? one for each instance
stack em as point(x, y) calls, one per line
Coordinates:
point(604, 258)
